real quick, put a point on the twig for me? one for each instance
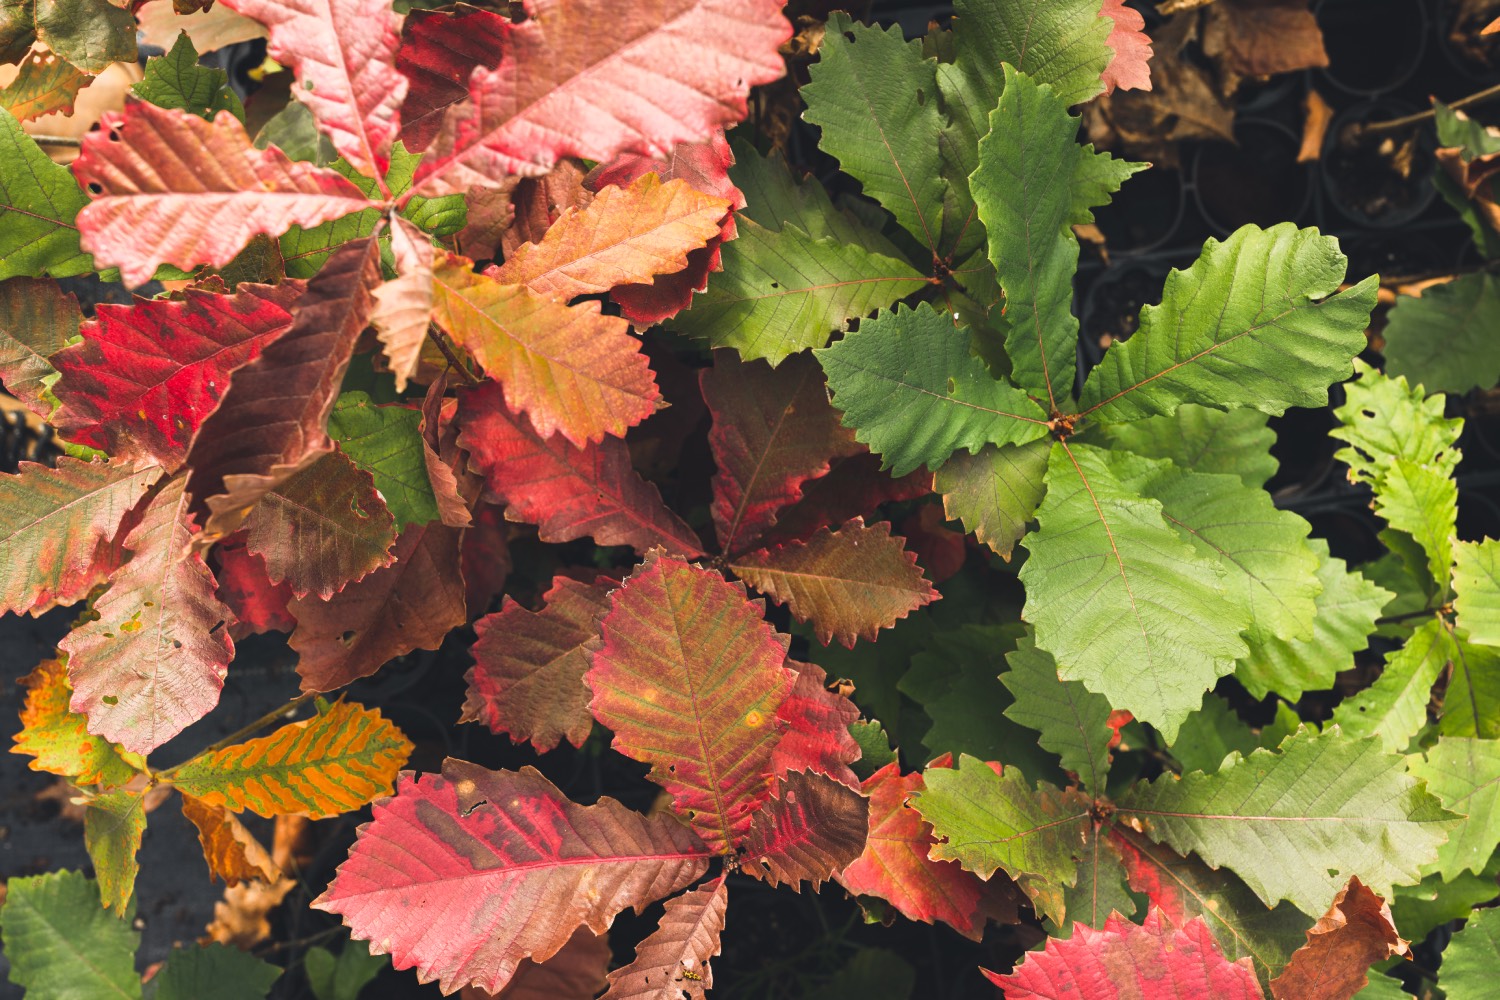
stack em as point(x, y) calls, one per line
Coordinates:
point(56, 140)
point(265, 720)
point(1169, 7)
point(1406, 616)
point(1396, 124)
point(453, 362)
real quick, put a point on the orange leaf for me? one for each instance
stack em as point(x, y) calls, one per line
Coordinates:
point(232, 852)
point(58, 738)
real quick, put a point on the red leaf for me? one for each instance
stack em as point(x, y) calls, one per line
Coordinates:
point(463, 875)
point(854, 487)
point(681, 945)
point(1129, 69)
point(486, 558)
point(849, 583)
point(811, 829)
point(171, 188)
point(575, 973)
point(1355, 933)
point(342, 54)
point(689, 677)
point(705, 165)
point(772, 432)
point(273, 421)
point(258, 604)
point(817, 736)
point(1128, 962)
point(37, 318)
point(411, 604)
point(153, 660)
point(566, 492)
point(895, 867)
point(527, 678)
point(604, 69)
point(56, 526)
point(146, 376)
point(439, 50)
point(939, 550)
point(571, 369)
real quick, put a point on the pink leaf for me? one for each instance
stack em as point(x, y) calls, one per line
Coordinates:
point(1129, 69)
point(403, 306)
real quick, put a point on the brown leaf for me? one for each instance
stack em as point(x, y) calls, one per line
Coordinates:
point(1259, 38)
point(231, 851)
point(240, 917)
point(576, 972)
point(811, 829)
point(1317, 115)
point(673, 959)
point(541, 201)
point(1355, 933)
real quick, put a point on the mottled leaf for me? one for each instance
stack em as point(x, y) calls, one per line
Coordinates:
point(810, 829)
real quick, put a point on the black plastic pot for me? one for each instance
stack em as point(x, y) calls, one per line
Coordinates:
point(1258, 180)
point(1373, 45)
point(1145, 213)
point(1111, 312)
point(1380, 180)
point(1475, 57)
point(1394, 255)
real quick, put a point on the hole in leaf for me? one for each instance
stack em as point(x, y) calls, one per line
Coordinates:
point(95, 187)
point(850, 36)
point(114, 135)
point(921, 97)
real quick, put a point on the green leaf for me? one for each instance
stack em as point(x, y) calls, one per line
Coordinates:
point(1345, 615)
point(995, 491)
point(62, 945)
point(1456, 129)
point(294, 131)
point(1385, 420)
point(1476, 588)
point(113, 823)
point(213, 972)
point(1394, 708)
point(175, 80)
point(1211, 734)
point(1033, 184)
point(874, 747)
point(1296, 823)
point(877, 669)
point(987, 821)
point(1235, 442)
point(1443, 338)
point(1101, 888)
point(1419, 909)
point(88, 34)
point(1422, 501)
point(875, 99)
point(1471, 706)
point(1470, 960)
point(39, 200)
point(782, 291)
point(1123, 603)
point(870, 972)
point(912, 391)
point(1464, 774)
point(1254, 322)
point(344, 977)
point(386, 441)
point(1072, 720)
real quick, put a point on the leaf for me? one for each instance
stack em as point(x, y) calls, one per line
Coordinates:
point(987, 821)
point(810, 829)
point(403, 305)
point(684, 941)
point(1464, 774)
point(1343, 620)
point(875, 99)
point(1122, 603)
point(39, 201)
point(1471, 705)
point(518, 880)
point(210, 28)
point(571, 370)
point(113, 823)
point(1073, 721)
point(626, 235)
point(345, 977)
point(1202, 439)
point(342, 54)
point(334, 762)
point(1476, 586)
point(322, 529)
point(1263, 37)
point(385, 442)
point(578, 970)
point(849, 583)
point(54, 523)
point(1154, 961)
point(1297, 823)
point(527, 678)
point(875, 749)
point(773, 198)
point(818, 719)
point(175, 80)
point(256, 604)
point(411, 604)
point(272, 423)
point(1394, 708)
point(588, 62)
point(1355, 933)
point(912, 391)
point(1422, 501)
point(566, 492)
point(439, 50)
point(1469, 960)
point(783, 291)
point(1210, 734)
point(37, 318)
point(895, 865)
point(60, 943)
point(869, 972)
point(1438, 338)
point(1033, 184)
point(90, 34)
point(57, 738)
point(44, 84)
point(1129, 69)
point(214, 972)
point(689, 677)
point(1385, 421)
point(152, 659)
point(146, 376)
point(174, 189)
point(773, 431)
point(1254, 322)
point(231, 852)
point(995, 491)
point(1065, 45)
point(853, 487)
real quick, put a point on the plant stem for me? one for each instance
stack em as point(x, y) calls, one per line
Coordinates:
point(265, 720)
point(1396, 124)
point(56, 140)
point(1406, 616)
point(447, 349)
